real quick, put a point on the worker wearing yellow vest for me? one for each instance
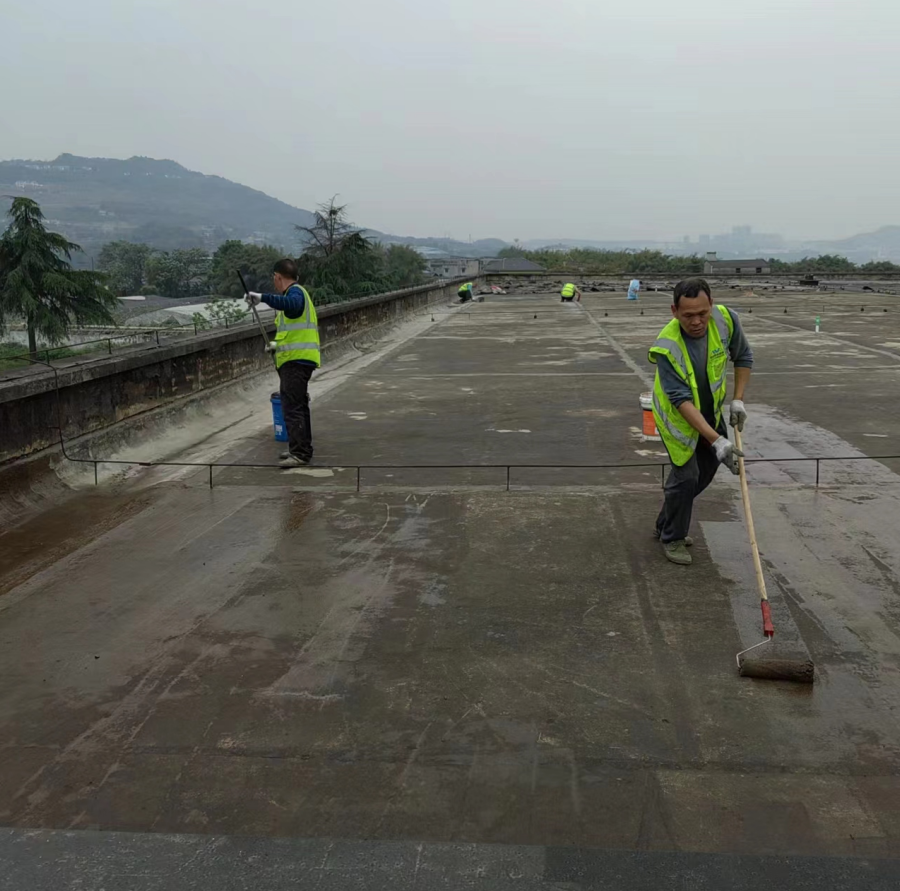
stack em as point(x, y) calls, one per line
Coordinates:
point(691, 357)
point(466, 292)
point(568, 292)
point(297, 356)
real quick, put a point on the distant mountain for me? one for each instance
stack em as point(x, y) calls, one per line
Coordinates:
point(446, 247)
point(534, 244)
point(882, 244)
point(96, 200)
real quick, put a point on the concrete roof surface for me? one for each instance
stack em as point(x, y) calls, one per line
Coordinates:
point(282, 662)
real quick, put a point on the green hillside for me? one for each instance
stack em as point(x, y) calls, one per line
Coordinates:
point(96, 200)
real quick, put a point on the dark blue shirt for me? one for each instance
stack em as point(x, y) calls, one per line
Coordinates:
point(292, 302)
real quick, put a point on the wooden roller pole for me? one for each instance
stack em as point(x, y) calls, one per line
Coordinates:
point(768, 627)
point(799, 669)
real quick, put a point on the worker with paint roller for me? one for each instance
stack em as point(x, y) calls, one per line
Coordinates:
point(297, 356)
point(691, 357)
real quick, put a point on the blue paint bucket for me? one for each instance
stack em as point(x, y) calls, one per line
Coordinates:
point(278, 419)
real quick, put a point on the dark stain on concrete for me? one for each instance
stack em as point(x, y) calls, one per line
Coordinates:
point(54, 534)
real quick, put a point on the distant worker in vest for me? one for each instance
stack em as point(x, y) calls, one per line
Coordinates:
point(691, 357)
point(466, 292)
point(569, 293)
point(634, 289)
point(297, 356)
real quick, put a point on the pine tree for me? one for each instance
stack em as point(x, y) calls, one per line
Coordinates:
point(38, 284)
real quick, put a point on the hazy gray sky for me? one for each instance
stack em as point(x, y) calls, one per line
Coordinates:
point(508, 118)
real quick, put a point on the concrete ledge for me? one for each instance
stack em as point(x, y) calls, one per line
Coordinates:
point(95, 369)
point(574, 275)
point(95, 394)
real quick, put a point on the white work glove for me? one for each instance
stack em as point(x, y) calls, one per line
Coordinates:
point(253, 298)
point(272, 347)
point(738, 414)
point(728, 453)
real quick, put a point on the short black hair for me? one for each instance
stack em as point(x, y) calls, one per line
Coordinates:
point(691, 288)
point(288, 268)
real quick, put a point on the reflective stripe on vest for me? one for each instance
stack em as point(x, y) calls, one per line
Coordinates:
point(663, 421)
point(568, 290)
point(674, 348)
point(466, 287)
point(679, 437)
point(298, 338)
point(291, 347)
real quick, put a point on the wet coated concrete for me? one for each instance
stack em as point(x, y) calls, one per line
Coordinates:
point(435, 659)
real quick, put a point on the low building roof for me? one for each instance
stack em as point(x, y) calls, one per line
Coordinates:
point(726, 264)
point(512, 264)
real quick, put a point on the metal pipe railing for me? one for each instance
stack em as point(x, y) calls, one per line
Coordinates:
point(507, 468)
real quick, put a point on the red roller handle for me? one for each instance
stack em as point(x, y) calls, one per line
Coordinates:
point(768, 627)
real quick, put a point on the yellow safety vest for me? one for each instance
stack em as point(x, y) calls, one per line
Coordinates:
point(679, 436)
point(298, 338)
point(568, 290)
point(466, 287)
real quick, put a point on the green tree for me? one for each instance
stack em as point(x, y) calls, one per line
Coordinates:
point(201, 322)
point(512, 251)
point(829, 263)
point(125, 264)
point(255, 263)
point(879, 266)
point(337, 259)
point(330, 229)
point(178, 274)
point(832, 263)
point(592, 261)
point(225, 310)
point(38, 283)
point(403, 267)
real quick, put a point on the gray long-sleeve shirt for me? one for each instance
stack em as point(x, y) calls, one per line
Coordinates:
point(678, 391)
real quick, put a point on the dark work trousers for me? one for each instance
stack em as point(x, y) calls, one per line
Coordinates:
point(682, 487)
point(295, 406)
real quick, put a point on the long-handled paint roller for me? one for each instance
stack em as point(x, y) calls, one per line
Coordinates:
point(769, 665)
point(262, 328)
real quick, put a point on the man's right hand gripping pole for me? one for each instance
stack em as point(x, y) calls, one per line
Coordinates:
point(728, 453)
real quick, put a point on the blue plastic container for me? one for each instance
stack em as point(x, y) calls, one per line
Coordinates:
point(278, 419)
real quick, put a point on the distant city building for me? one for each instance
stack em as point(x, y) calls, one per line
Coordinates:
point(511, 264)
point(742, 241)
point(713, 266)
